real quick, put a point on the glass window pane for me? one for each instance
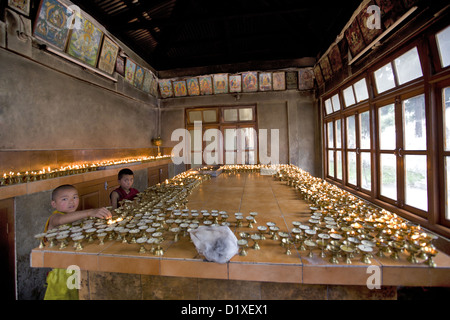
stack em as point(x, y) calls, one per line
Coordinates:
point(443, 44)
point(366, 171)
point(249, 138)
point(335, 101)
point(330, 135)
point(192, 134)
point(364, 130)
point(230, 139)
point(408, 66)
point(331, 163)
point(415, 133)
point(386, 127)
point(361, 90)
point(388, 176)
point(384, 78)
point(251, 157)
point(246, 114)
point(349, 97)
point(351, 169)
point(351, 133)
point(416, 181)
point(196, 159)
point(195, 116)
point(339, 165)
point(447, 184)
point(446, 106)
point(230, 114)
point(210, 116)
point(231, 157)
point(328, 106)
point(338, 133)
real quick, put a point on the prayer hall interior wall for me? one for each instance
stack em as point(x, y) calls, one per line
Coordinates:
point(54, 112)
point(292, 112)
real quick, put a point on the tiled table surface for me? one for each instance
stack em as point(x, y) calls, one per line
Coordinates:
point(274, 201)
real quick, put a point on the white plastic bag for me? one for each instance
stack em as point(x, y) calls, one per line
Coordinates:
point(216, 243)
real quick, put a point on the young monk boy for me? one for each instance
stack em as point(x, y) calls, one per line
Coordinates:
point(125, 191)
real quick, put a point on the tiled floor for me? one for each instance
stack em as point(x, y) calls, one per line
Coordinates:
point(269, 267)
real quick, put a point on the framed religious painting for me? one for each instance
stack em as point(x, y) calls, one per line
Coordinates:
point(343, 49)
point(354, 38)
point(193, 87)
point(84, 42)
point(21, 6)
point(154, 85)
point(146, 84)
point(390, 11)
point(130, 69)
point(265, 81)
point(291, 80)
point(108, 55)
point(326, 68)
point(369, 31)
point(306, 79)
point(335, 59)
point(165, 88)
point(250, 81)
point(179, 88)
point(205, 83)
point(52, 23)
point(279, 81)
point(318, 75)
point(139, 77)
point(220, 83)
point(120, 65)
point(234, 82)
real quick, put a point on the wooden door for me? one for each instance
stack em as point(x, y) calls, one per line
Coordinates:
point(7, 282)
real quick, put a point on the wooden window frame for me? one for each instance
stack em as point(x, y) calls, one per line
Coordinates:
point(434, 79)
point(221, 125)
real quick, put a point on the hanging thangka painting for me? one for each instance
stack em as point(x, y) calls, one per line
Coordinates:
point(278, 81)
point(367, 24)
point(52, 23)
point(108, 55)
point(205, 85)
point(179, 88)
point(220, 83)
point(154, 85)
point(147, 81)
point(265, 81)
point(291, 80)
point(22, 6)
point(84, 42)
point(235, 83)
point(390, 11)
point(120, 65)
point(318, 75)
point(250, 81)
point(130, 69)
point(354, 38)
point(326, 68)
point(139, 77)
point(335, 59)
point(165, 88)
point(192, 86)
point(305, 79)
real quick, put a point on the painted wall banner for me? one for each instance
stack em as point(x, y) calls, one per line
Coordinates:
point(52, 23)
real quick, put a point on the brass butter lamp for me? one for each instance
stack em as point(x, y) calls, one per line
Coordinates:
point(157, 142)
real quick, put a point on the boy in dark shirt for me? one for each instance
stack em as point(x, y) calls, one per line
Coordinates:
point(125, 190)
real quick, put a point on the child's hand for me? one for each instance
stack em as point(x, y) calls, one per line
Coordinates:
point(101, 213)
